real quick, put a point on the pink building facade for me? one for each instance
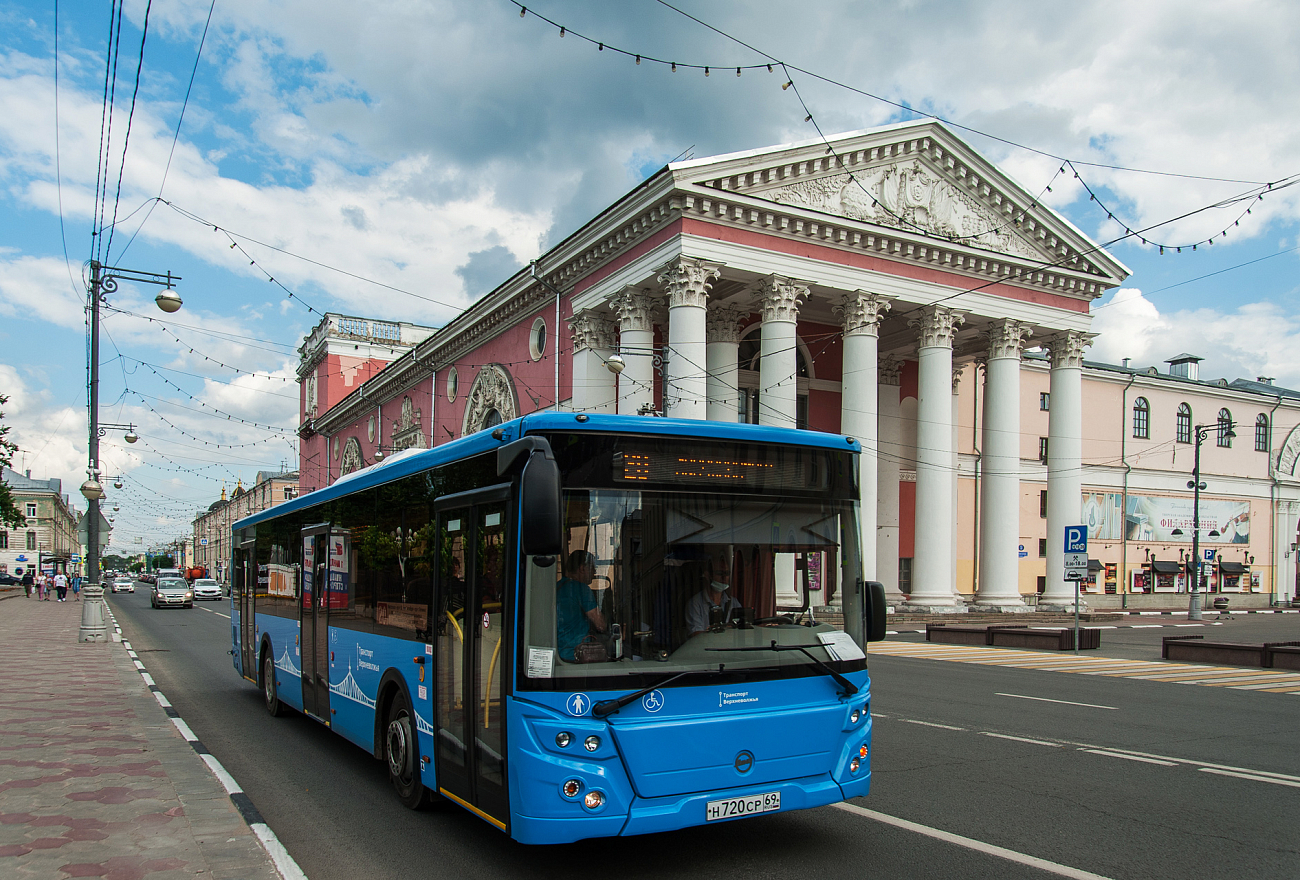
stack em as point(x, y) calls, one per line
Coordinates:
point(884, 284)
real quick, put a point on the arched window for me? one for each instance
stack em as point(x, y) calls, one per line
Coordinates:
point(1141, 419)
point(1225, 429)
point(1261, 433)
point(1184, 425)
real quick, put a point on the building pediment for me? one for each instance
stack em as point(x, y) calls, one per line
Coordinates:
point(916, 178)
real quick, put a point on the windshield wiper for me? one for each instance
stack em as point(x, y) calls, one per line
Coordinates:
point(609, 707)
point(849, 687)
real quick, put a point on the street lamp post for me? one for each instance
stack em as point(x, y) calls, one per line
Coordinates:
point(103, 279)
point(1195, 484)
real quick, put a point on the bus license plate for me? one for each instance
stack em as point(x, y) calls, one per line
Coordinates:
point(742, 806)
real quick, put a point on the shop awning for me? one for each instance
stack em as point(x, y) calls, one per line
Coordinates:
point(1161, 567)
point(1226, 567)
point(1095, 565)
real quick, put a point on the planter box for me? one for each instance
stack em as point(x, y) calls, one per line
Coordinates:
point(1012, 636)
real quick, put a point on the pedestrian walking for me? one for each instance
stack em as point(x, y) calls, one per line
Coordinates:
point(28, 582)
point(61, 586)
point(40, 587)
point(76, 587)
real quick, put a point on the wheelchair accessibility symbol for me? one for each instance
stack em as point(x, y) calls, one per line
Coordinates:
point(578, 704)
point(653, 701)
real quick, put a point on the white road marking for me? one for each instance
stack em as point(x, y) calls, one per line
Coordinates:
point(1188, 624)
point(1251, 776)
point(218, 613)
point(1147, 626)
point(1065, 702)
point(969, 843)
point(1023, 739)
point(930, 724)
point(1108, 754)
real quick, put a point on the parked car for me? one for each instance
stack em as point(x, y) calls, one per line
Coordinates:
point(147, 578)
point(207, 588)
point(8, 580)
point(122, 585)
point(172, 591)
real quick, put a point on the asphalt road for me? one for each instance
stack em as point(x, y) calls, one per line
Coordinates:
point(958, 748)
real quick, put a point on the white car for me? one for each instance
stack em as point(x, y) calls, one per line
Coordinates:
point(206, 588)
point(123, 585)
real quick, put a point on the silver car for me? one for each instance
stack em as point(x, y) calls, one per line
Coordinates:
point(206, 588)
point(122, 585)
point(172, 591)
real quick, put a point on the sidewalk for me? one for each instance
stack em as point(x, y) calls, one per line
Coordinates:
point(95, 780)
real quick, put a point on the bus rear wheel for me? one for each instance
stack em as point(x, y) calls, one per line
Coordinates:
point(269, 694)
point(401, 749)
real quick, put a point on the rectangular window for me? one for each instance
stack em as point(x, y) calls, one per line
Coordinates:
point(4, 540)
point(1042, 548)
point(31, 510)
point(31, 540)
point(1042, 503)
point(1042, 449)
point(905, 575)
point(1261, 434)
point(1044, 400)
point(1042, 584)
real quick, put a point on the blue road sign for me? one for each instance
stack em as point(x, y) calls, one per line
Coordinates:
point(1076, 539)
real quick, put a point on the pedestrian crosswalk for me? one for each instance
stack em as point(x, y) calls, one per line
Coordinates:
point(1269, 680)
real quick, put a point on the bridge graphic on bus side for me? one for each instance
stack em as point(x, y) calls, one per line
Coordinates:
point(285, 663)
point(350, 690)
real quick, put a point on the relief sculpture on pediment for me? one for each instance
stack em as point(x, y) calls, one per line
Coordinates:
point(908, 196)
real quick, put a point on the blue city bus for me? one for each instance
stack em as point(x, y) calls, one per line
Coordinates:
point(578, 625)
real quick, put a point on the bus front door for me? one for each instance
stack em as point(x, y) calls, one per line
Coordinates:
point(315, 623)
point(472, 653)
point(243, 581)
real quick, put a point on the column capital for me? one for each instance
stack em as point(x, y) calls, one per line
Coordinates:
point(780, 298)
point(591, 330)
point(723, 323)
point(890, 370)
point(635, 308)
point(1007, 338)
point(957, 370)
point(688, 280)
point(937, 326)
point(1067, 348)
point(862, 312)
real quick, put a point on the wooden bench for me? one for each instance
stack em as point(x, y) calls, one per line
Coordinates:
point(1195, 649)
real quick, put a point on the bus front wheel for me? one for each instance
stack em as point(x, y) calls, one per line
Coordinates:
point(400, 748)
point(269, 694)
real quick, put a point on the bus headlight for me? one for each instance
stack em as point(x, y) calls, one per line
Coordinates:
point(571, 788)
point(856, 714)
point(563, 738)
point(591, 743)
point(854, 765)
point(593, 800)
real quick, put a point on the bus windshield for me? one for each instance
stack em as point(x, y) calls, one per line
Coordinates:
point(652, 583)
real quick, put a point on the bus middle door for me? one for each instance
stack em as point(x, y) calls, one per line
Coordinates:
point(472, 652)
point(315, 623)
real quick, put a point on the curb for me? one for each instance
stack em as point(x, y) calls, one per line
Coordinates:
point(280, 858)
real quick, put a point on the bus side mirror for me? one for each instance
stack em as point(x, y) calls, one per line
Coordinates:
point(539, 505)
point(873, 612)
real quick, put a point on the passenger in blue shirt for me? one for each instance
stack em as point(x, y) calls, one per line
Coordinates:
point(576, 613)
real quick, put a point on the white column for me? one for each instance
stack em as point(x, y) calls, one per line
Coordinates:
point(1283, 566)
point(1064, 460)
point(594, 386)
point(635, 309)
point(932, 585)
point(685, 388)
point(721, 350)
point(888, 466)
point(859, 405)
point(778, 394)
point(953, 473)
point(999, 576)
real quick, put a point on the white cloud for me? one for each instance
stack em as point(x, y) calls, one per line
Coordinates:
point(1254, 339)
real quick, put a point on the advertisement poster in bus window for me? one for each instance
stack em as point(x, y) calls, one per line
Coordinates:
point(340, 576)
point(1155, 517)
point(308, 570)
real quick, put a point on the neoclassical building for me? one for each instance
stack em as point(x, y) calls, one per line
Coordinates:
point(801, 285)
point(209, 544)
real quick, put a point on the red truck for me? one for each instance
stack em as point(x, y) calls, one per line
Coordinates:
point(196, 571)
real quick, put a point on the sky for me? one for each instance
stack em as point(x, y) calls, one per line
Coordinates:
point(400, 159)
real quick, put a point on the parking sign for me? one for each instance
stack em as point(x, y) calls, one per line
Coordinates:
point(1076, 539)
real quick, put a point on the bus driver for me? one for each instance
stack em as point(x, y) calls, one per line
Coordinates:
point(576, 612)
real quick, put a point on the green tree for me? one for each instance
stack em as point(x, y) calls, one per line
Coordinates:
point(10, 515)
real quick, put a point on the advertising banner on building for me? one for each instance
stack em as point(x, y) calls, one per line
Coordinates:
point(1155, 517)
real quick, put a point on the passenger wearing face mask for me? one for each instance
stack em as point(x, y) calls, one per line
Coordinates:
point(715, 597)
